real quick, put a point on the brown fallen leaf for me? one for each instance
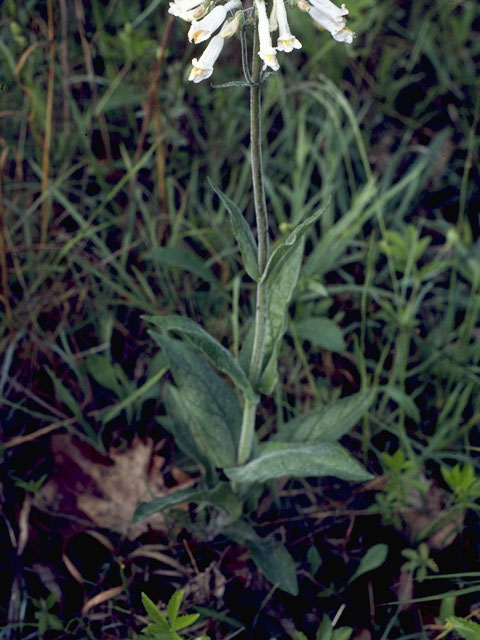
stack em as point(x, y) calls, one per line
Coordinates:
point(106, 489)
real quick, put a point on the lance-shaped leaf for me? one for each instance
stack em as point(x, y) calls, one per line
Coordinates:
point(329, 423)
point(211, 348)
point(277, 459)
point(288, 244)
point(281, 275)
point(270, 556)
point(220, 496)
point(373, 559)
point(176, 422)
point(243, 234)
point(210, 405)
point(280, 289)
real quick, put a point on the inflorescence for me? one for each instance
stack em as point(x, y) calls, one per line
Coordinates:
point(224, 20)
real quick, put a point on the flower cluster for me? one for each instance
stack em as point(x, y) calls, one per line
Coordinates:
point(208, 18)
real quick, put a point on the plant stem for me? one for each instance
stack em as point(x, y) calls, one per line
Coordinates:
point(250, 408)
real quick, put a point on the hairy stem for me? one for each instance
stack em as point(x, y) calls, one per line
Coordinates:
point(250, 408)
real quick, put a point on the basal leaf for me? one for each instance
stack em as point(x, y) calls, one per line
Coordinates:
point(211, 348)
point(270, 556)
point(210, 405)
point(220, 496)
point(243, 234)
point(176, 422)
point(277, 459)
point(274, 561)
point(329, 423)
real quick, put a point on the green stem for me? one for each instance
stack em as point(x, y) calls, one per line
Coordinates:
point(250, 408)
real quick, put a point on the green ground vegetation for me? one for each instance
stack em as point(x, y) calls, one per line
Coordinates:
point(106, 215)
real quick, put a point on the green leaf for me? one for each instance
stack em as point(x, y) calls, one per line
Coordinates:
point(281, 273)
point(280, 289)
point(342, 633)
point(211, 348)
point(298, 635)
point(329, 423)
point(173, 605)
point(287, 245)
point(177, 423)
point(154, 613)
point(324, 631)
point(156, 632)
point(109, 413)
point(404, 401)
point(277, 459)
point(210, 405)
point(373, 559)
point(466, 629)
point(103, 372)
point(220, 496)
point(182, 259)
point(69, 401)
point(243, 234)
point(184, 621)
point(321, 332)
point(270, 556)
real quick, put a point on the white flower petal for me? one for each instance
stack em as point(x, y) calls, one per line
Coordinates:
point(286, 41)
point(334, 25)
point(184, 9)
point(203, 68)
point(267, 52)
point(202, 29)
point(345, 35)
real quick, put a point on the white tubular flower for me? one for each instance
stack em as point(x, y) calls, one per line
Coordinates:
point(345, 35)
point(286, 42)
point(267, 52)
point(203, 68)
point(184, 9)
point(329, 16)
point(203, 29)
point(230, 27)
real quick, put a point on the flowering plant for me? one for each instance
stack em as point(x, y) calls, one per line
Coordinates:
point(214, 422)
point(224, 20)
